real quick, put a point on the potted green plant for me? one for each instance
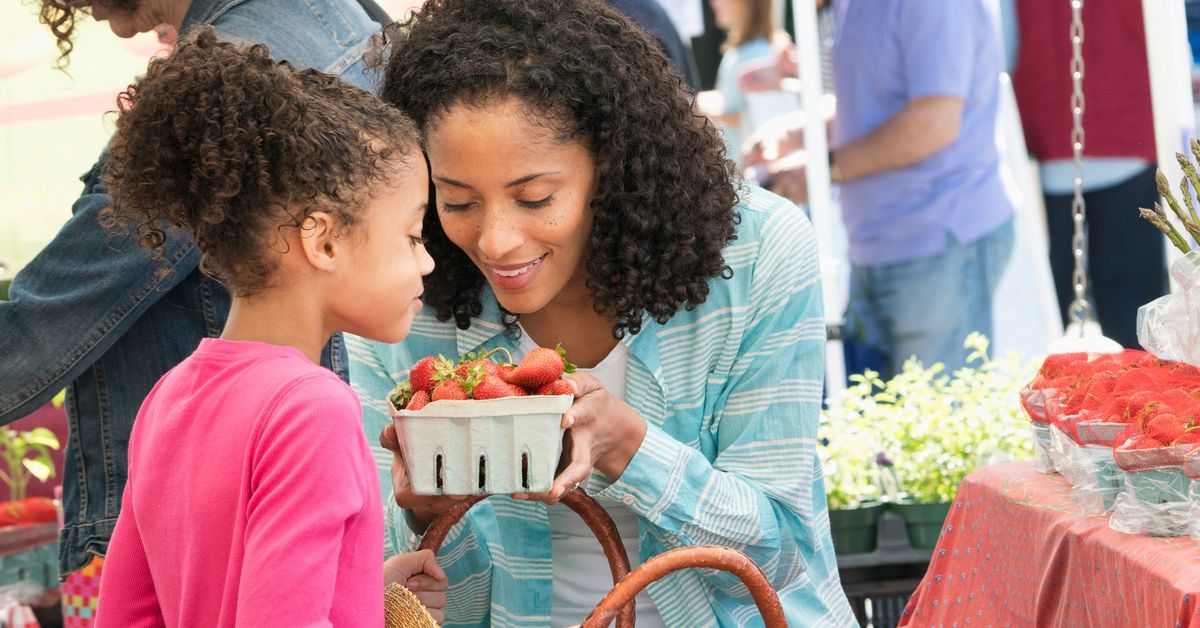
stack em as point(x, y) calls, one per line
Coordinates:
point(934, 428)
point(852, 486)
point(26, 456)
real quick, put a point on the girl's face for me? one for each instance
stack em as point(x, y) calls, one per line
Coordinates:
point(516, 199)
point(379, 290)
point(728, 14)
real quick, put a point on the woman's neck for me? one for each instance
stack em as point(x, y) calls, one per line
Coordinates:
point(584, 334)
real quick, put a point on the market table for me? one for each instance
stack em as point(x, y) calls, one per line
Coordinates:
point(1014, 551)
point(29, 553)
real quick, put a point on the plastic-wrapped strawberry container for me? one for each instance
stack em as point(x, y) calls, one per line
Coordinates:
point(482, 446)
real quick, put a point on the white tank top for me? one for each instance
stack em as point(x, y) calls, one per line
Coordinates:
point(581, 574)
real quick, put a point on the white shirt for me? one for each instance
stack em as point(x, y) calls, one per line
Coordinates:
point(581, 573)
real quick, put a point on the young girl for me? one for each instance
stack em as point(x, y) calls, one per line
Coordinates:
point(581, 200)
point(252, 498)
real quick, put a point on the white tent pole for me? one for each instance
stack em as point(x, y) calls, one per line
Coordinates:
point(820, 202)
point(1170, 62)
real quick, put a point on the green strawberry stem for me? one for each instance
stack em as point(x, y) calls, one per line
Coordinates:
point(562, 353)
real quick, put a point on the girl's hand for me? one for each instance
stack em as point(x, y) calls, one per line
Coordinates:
point(603, 432)
point(423, 508)
point(420, 573)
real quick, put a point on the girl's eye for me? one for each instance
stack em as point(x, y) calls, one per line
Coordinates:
point(451, 207)
point(416, 240)
point(538, 204)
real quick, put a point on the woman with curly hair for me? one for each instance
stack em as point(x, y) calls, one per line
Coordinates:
point(252, 498)
point(581, 201)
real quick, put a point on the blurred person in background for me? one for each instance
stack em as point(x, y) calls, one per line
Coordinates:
point(1119, 151)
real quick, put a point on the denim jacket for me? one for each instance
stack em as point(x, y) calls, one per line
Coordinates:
point(98, 315)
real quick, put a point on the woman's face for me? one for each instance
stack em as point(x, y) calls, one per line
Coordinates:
point(127, 18)
point(516, 199)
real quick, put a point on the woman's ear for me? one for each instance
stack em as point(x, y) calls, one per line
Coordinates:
point(318, 240)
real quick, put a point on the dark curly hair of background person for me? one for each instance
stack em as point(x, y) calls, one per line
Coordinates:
point(60, 16)
point(231, 145)
point(664, 206)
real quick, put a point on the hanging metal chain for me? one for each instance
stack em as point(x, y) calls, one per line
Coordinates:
point(1080, 310)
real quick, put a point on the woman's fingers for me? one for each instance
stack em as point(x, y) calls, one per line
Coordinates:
point(388, 439)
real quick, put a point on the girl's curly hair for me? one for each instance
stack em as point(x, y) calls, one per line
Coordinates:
point(60, 16)
point(664, 206)
point(232, 146)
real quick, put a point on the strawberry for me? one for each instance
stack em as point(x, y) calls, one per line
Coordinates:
point(418, 401)
point(451, 388)
point(538, 368)
point(556, 387)
point(428, 371)
point(477, 368)
point(1189, 437)
point(1165, 427)
point(492, 387)
point(401, 394)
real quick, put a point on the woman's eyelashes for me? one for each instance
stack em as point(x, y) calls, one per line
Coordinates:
point(533, 204)
point(538, 204)
point(416, 240)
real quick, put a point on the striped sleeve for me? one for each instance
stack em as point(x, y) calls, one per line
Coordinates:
point(757, 495)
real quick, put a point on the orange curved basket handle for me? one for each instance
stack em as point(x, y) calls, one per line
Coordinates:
point(592, 513)
point(708, 556)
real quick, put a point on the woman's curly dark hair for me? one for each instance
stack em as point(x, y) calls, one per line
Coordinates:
point(232, 146)
point(60, 16)
point(664, 206)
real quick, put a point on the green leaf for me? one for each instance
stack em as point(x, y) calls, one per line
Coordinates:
point(42, 436)
point(40, 469)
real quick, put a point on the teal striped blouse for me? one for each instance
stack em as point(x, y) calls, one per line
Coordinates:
point(730, 392)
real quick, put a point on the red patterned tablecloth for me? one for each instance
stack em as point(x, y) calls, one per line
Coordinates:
point(1014, 551)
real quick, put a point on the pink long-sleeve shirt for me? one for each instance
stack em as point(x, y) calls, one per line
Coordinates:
point(252, 499)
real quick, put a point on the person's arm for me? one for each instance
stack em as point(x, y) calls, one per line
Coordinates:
point(937, 40)
point(925, 126)
point(75, 300)
point(128, 598)
point(312, 480)
point(758, 495)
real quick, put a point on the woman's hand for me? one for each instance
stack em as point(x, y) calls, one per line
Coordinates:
point(604, 432)
point(424, 508)
point(419, 573)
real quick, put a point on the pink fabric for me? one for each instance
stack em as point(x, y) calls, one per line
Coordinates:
point(252, 499)
point(1016, 551)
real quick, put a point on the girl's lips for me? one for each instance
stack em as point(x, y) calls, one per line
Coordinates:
point(515, 278)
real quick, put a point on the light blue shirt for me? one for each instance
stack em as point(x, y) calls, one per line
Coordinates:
point(730, 392)
point(733, 62)
point(887, 53)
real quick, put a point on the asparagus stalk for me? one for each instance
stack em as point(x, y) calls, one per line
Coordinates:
point(1190, 174)
point(1158, 218)
point(1164, 188)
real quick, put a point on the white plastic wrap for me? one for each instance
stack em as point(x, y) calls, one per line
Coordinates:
point(1194, 517)
point(1169, 326)
point(14, 604)
point(1155, 502)
point(1042, 445)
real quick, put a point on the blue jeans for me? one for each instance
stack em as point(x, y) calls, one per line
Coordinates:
point(926, 307)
